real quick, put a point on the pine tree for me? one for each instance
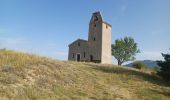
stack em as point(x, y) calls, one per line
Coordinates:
point(164, 67)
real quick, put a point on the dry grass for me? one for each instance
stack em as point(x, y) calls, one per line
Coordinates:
point(30, 77)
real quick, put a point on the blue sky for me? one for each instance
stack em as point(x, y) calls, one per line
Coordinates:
point(46, 27)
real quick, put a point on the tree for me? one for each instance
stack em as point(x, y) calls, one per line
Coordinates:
point(124, 50)
point(164, 67)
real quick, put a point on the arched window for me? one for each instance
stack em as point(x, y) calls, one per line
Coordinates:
point(106, 26)
point(94, 39)
point(94, 25)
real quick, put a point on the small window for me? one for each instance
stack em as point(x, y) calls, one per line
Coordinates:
point(106, 27)
point(84, 54)
point(73, 55)
point(96, 18)
point(94, 25)
point(78, 43)
point(94, 39)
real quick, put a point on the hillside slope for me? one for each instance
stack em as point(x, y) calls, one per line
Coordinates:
point(30, 77)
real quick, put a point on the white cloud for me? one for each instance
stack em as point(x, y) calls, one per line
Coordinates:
point(61, 53)
point(145, 55)
point(23, 45)
point(149, 55)
point(123, 9)
point(5, 40)
point(52, 45)
point(11, 43)
point(2, 31)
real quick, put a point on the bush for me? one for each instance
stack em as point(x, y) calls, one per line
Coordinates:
point(138, 65)
point(164, 67)
point(156, 68)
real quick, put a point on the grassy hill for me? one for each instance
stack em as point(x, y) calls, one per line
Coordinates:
point(30, 77)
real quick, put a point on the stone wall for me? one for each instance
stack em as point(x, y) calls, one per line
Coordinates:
point(98, 45)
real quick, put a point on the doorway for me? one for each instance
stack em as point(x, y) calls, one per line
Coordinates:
point(78, 57)
point(91, 58)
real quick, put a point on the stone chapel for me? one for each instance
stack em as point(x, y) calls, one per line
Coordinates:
point(98, 46)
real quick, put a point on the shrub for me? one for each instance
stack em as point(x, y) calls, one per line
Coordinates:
point(138, 65)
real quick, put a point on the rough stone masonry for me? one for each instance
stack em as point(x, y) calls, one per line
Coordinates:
point(98, 46)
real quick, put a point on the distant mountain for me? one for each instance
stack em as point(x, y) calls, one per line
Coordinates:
point(149, 63)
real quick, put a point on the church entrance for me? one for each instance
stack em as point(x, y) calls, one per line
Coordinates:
point(91, 58)
point(78, 57)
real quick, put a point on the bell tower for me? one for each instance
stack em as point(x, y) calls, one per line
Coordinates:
point(99, 39)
